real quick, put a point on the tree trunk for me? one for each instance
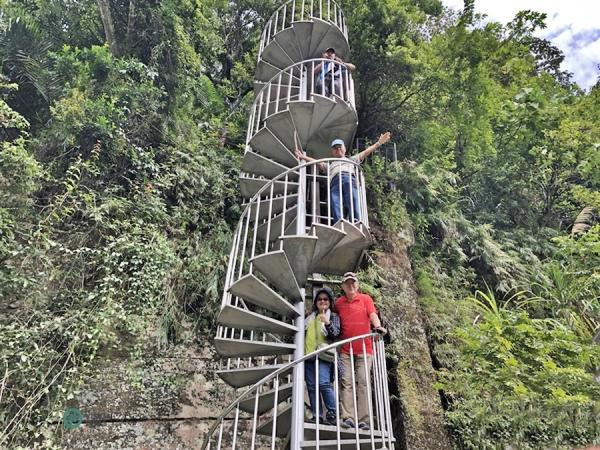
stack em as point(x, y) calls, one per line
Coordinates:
point(109, 30)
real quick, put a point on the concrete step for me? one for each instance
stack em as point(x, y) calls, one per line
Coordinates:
point(242, 348)
point(236, 317)
point(276, 207)
point(299, 251)
point(247, 376)
point(275, 267)
point(255, 291)
point(266, 399)
point(259, 165)
point(280, 225)
point(328, 237)
point(249, 186)
point(267, 144)
point(284, 423)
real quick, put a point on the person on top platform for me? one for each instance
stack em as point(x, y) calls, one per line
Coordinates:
point(357, 316)
point(330, 74)
point(342, 180)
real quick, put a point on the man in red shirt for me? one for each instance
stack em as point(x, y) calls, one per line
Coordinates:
point(357, 314)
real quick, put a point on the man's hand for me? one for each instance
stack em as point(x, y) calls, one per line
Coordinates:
point(381, 330)
point(299, 155)
point(384, 138)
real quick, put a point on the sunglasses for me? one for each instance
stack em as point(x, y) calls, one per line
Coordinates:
point(323, 299)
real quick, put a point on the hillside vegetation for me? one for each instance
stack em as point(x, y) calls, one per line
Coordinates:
point(123, 125)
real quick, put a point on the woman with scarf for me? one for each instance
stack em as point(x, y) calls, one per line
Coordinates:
point(322, 327)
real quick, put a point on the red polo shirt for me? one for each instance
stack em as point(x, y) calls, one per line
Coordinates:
point(355, 320)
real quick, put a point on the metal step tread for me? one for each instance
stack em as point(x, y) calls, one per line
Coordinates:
point(266, 399)
point(276, 207)
point(328, 237)
point(276, 268)
point(284, 423)
point(269, 145)
point(279, 224)
point(343, 443)
point(246, 376)
point(242, 348)
point(299, 251)
point(260, 165)
point(249, 186)
point(255, 291)
point(236, 317)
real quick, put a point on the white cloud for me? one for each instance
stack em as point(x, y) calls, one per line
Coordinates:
point(572, 26)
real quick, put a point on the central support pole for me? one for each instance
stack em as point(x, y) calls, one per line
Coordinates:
point(297, 431)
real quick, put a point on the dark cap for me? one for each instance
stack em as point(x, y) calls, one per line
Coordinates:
point(330, 49)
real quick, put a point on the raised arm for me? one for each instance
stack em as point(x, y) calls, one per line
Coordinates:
point(384, 138)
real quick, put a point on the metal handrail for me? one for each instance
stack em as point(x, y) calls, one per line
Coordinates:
point(301, 10)
point(308, 85)
point(287, 367)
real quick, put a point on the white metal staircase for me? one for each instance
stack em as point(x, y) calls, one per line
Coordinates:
point(287, 232)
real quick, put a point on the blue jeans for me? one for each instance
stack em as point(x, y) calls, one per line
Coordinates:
point(339, 210)
point(325, 386)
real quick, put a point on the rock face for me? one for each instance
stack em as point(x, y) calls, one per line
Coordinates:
point(418, 410)
point(168, 401)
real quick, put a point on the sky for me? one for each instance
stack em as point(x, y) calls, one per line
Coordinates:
point(572, 25)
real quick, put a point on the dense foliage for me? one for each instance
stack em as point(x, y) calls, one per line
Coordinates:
point(121, 132)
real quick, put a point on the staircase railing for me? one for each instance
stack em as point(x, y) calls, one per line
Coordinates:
point(239, 427)
point(300, 81)
point(270, 215)
point(300, 10)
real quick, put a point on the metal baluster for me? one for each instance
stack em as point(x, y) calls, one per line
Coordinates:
point(291, 76)
point(368, 387)
point(317, 399)
point(302, 13)
point(283, 16)
point(329, 180)
point(337, 399)
point(354, 396)
point(377, 376)
point(386, 395)
point(352, 178)
point(254, 421)
point(275, 401)
point(235, 426)
point(278, 92)
point(220, 439)
point(293, 10)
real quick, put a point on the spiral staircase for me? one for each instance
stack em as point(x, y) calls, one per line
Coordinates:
point(287, 235)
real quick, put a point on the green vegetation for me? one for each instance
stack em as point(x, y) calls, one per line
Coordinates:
point(118, 195)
